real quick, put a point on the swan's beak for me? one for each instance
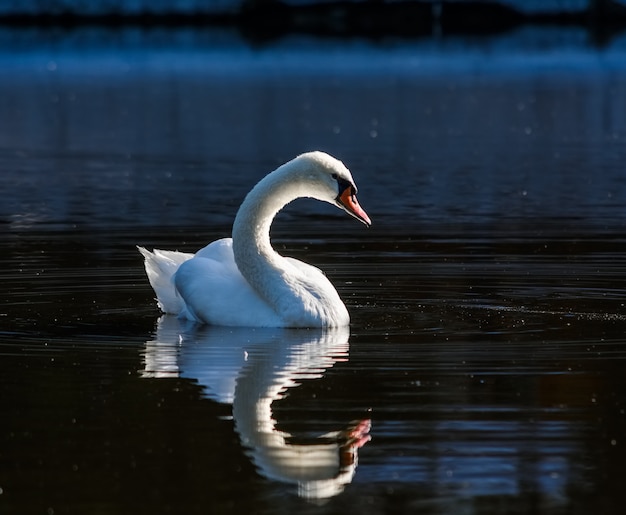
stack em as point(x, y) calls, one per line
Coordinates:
point(347, 200)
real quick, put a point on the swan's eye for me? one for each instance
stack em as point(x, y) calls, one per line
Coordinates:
point(334, 176)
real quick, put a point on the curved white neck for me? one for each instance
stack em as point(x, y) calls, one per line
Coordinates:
point(256, 259)
point(251, 229)
point(299, 294)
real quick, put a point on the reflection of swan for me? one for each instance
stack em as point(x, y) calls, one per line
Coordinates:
point(251, 368)
point(243, 281)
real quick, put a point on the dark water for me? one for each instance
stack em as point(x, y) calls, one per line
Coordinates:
point(487, 348)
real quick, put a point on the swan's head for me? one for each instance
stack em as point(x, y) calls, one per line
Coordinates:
point(328, 179)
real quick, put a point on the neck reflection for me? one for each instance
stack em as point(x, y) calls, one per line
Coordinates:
point(251, 368)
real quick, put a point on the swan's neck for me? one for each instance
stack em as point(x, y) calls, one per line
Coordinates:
point(264, 269)
point(251, 230)
point(297, 297)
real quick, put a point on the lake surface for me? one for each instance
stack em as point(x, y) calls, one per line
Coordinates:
point(484, 369)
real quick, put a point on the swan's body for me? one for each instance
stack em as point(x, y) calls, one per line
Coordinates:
point(243, 281)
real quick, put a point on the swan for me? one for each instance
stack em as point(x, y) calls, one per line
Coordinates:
point(243, 281)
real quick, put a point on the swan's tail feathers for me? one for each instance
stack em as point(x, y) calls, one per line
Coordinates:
point(161, 265)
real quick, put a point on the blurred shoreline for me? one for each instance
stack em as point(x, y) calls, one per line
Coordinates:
point(260, 20)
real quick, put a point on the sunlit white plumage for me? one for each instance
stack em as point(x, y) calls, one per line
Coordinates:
point(243, 281)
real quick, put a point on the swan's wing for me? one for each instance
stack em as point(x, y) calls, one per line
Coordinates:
point(309, 271)
point(215, 292)
point(321, 294)
point(161, 265)
point(219, 250)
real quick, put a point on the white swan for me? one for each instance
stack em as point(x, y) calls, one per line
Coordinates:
point(243, 281)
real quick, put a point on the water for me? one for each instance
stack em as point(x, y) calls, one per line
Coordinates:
point(483, 371)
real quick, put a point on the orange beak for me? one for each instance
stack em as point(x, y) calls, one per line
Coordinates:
point(347, 200)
